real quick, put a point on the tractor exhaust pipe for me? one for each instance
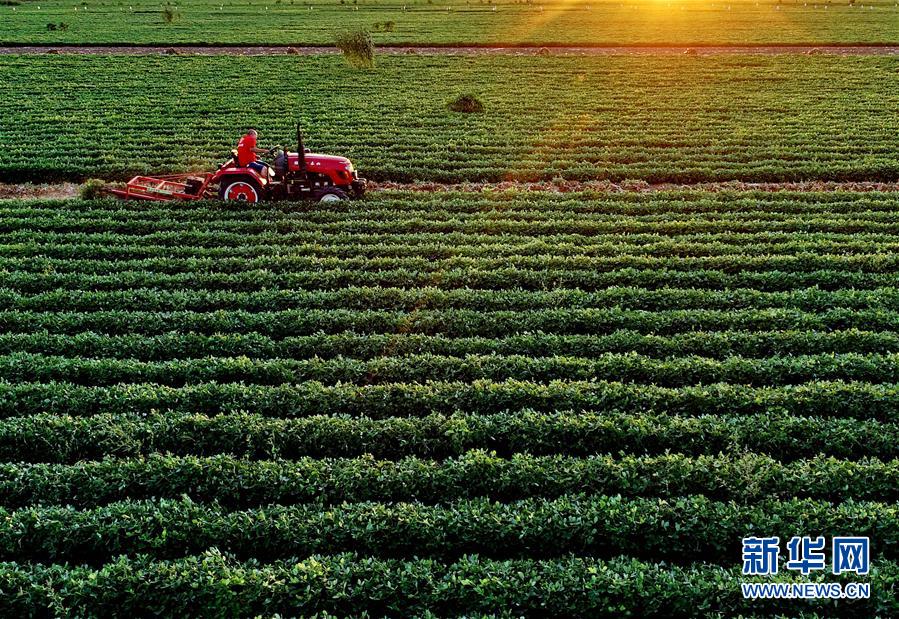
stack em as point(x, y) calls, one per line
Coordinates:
point(301, 150)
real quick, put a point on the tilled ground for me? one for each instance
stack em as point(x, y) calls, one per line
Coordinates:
point(71, 190)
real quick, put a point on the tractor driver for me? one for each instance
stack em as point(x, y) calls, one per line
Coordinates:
point(247, 151)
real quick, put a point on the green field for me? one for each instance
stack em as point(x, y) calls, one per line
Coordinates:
point(470, 396)
point(497, 403)
point(297, 22)
point(655, 118)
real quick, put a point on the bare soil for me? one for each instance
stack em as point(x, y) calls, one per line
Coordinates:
point(70, 190)
point(30, 191)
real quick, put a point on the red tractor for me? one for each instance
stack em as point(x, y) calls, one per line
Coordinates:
point(292, 176)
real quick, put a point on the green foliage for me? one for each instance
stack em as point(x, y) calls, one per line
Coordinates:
point(357, 47)
point(394, 125)
point(558, 383)
point(57, 437)
point(414, 368)
point(682, 528)
point(91, 189)
point(169, 15)
point(689, 22)
point(383, 26)
point(468, 585)
point(239, 483)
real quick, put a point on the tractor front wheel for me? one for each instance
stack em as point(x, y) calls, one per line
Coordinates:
point(331, 194)
point(240, 190)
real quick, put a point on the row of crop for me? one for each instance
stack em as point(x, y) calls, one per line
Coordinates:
point(62, 438)
point(27, 242)
point(69, 244)
point(682, 528)
point(712, 344)
point(584, 201)
point(518, 206)
point(422, 210)
point(830, 399)
point(149, 299)
point(444, 252)
point(654, 247)
point(450, 322)
point(455, 223)
point(882, 262)
point(234, 482)
point(417, 368)
point(495, 279)
point(354, 585)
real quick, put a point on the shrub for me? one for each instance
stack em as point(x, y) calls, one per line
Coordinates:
point(92, 189)
point(467, 104)
point(169, 15)
point(357, 47)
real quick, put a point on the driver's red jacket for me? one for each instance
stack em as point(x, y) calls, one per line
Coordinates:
point(245, 154)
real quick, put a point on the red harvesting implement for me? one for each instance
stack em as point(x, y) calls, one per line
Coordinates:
point(292, 176)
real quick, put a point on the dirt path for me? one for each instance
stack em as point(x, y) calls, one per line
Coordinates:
point(512, 50)
point(28, 191)
point(70, 190)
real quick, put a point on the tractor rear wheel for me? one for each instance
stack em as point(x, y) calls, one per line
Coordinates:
point(331, 194)
point(240, 190)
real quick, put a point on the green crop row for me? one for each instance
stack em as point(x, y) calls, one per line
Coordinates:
point(500, 201)
point(62, 438)
point(831, 399)
point(212, 583)
point(383, 218)
point(627, 368)
point(681, 529)
point(495, 279)
point(807, 261)
point(738, 203)
point(359, 298)
point(450, 322)
point(644, 245)
point(712, 344)
point(233, 482)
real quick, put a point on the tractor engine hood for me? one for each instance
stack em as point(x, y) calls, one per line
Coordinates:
point(318, 163)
